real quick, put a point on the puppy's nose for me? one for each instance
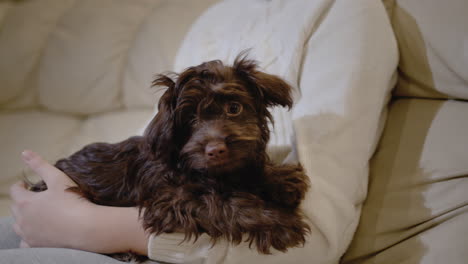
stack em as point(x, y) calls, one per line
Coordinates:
point(216, 150)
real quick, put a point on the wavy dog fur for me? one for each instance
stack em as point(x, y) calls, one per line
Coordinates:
point(168, 175)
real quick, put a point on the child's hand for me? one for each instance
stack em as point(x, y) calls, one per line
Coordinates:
point(59, 218)
point(42, 219)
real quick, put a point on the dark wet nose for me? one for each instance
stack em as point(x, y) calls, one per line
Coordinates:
point(216, 151)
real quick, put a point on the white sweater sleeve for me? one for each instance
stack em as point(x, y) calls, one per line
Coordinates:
point(172, 248)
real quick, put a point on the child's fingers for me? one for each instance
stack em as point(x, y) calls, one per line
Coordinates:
point(18, 192)
point(52, 176)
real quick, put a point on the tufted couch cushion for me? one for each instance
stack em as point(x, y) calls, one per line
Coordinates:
point(23, 37)
point(433, 43)
point(84, 57)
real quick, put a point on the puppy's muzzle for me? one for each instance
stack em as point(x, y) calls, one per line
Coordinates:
point(216, 152)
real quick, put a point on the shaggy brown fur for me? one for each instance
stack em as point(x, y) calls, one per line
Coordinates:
point(201, 165)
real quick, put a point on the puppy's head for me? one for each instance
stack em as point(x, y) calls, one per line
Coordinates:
point(214, 118)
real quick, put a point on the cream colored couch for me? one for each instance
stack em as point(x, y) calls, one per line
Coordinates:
point(78, 71)
point(417, 206)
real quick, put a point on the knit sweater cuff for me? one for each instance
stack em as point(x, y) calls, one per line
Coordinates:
point(170, 248)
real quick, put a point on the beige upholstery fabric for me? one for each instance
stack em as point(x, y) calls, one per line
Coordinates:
point(417, 207)
point(4, 6)
point(155, 46)
point(23, 36)
point(433, 40)
point(110, 127)
point(36, 130)
point(83, 61)
point(86, 57)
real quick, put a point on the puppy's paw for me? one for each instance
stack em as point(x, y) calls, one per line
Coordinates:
point(281, 238)
point(288, 185)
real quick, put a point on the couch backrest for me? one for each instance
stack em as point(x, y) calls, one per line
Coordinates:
point(433, 42)
point(87, 56)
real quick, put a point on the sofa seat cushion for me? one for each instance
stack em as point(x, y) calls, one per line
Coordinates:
point(55, 136)
point(417, 206)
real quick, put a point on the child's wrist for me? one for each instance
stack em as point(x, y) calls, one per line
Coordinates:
point(106, 229)
point(88, 226)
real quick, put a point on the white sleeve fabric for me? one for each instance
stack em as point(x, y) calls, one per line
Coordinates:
point(342, 62)
point(172, 248)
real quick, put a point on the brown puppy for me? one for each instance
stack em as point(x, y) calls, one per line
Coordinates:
point(201, 165)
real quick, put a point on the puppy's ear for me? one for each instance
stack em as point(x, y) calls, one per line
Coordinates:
point(159, 134)
point(273, 89)
point(168, 99)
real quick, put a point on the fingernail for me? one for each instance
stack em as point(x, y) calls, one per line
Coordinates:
point(27, 155)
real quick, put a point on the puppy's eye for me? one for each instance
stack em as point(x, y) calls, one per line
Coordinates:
point(233, 109)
